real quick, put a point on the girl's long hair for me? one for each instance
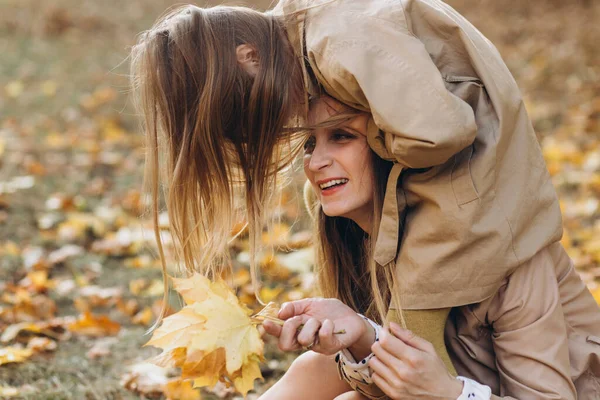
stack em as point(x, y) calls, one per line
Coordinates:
point(214, 133)
point(344, 267)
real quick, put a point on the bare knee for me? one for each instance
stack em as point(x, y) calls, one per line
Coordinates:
point(310, 360)
point(311, 376)
point(351, 396)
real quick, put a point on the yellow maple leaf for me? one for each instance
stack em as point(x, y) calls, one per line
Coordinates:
point(228, 326)
point(174, 357)
point(14, 355)
point(177, 329)
point(176, 389)
point(198, 288)
point(207, 368)
point(244, 380)
point(213, 338)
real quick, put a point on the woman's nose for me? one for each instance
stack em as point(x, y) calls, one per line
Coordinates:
point(320, 158)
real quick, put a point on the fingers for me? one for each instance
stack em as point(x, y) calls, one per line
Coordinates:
point(261, 331)
point(308, 334)
point(382, 383)
point(384, 357)
point(394, 346)
point(411, 339)
point(293, 308)
point(327, 343)
point(270, 328)
point(287, 338)
point(382, 370)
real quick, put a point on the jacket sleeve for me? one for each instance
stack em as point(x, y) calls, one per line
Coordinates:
point(529, 335)
point(394, 77)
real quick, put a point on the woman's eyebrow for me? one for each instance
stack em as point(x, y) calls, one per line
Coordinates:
point(350, 129)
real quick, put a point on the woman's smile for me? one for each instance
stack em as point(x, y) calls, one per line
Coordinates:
point(332, 186)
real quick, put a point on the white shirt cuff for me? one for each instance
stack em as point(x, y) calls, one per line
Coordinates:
point(473, 390)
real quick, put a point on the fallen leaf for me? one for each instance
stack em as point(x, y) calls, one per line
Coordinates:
point(9, 391)
point(101, 348)
point(37, 281)
point(12, 331)
point(277, 236)
point(34, 258)
point(143, 317)
point(64, 253)
point(14, 89)
point(129, 307)
point(146, 288)
point(147, 379)
point(92, 325)
point(49, 88)
point(14, 355)
point(143, 261)
point(25, 307)
point(39, 344)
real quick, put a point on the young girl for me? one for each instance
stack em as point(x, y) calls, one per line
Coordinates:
point(467, 197)
point(532, 339)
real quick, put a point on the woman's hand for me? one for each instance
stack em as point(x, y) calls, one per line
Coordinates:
point(407, 367)
point(324, 325)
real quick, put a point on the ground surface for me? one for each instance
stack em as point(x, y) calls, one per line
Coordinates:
point(71, 161)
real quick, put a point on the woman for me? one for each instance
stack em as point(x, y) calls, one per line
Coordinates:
point(224, 88)
point(532, 339)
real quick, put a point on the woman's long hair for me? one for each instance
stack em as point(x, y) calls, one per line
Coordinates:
point(344, 267)
point(214, 133)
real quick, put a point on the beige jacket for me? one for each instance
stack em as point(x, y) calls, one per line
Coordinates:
point(537, 338)
point(441, 98)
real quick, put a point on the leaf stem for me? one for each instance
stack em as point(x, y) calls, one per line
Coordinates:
point(258, 320)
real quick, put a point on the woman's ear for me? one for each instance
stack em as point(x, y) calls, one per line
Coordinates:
point(247, 58)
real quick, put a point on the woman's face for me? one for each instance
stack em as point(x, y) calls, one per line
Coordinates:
point(338, 164)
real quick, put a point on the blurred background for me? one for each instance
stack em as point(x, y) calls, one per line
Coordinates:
point(79, 280)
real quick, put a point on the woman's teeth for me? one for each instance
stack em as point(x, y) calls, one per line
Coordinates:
point(331, 183)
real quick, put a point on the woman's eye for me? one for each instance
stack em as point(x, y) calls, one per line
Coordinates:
point(309, 145)
point(342, 135)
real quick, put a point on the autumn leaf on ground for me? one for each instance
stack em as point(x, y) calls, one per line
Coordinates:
point(91, 325)
point(212, 338)
point(146, 379)
point(39, 344)
point(53, 328)
point(14, 355)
